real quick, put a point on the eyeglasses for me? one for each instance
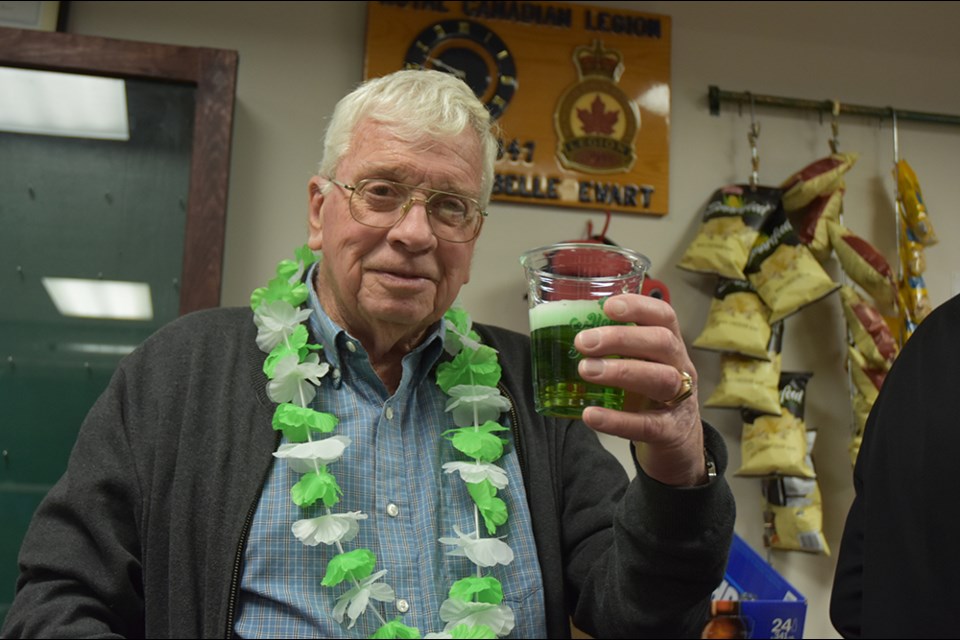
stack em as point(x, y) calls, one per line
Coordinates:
point(380, 203)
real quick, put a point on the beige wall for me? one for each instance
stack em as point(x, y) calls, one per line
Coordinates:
point(297, 59)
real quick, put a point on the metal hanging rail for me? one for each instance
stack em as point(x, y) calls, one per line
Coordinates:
point(717, 96)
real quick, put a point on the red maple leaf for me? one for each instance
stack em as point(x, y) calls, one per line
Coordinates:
point(598, 119)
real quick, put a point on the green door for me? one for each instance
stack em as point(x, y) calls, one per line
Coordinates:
point(77, 211)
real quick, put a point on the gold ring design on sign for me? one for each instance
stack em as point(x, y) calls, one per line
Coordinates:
point(686, 389)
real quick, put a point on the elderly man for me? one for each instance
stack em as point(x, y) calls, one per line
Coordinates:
point(314, 491)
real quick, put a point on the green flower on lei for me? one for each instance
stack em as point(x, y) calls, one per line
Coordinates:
point(474, 607)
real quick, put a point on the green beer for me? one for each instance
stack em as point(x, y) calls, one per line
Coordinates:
point(560, 391)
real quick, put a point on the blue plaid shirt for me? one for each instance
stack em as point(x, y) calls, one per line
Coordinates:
point(392, 472)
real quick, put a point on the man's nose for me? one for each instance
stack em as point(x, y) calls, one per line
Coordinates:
point(414, 226)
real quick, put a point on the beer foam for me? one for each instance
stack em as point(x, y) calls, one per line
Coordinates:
point(561, 312)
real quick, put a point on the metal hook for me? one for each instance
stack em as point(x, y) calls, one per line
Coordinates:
point(752, 136)
point(835, 127)
point(896, 145)
point(896, 190)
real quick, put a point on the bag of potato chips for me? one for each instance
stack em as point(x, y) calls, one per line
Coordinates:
point(728, 230)
point(793, 510)
point(810, 221)
point(913, 287)
point(866, 266)
point(867, 380)
point(817, 178)
point(783, 271)
point(793, 516)
point(912, 258)
point(915, 211)
point(737, 321)
point(749, 383)
point(868, 329)
point(777, 445)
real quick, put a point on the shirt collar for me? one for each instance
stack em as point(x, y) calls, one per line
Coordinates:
point(334, 339)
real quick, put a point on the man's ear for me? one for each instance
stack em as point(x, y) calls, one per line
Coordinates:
point(315, 215)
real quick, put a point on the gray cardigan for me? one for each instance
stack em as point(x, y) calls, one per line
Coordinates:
point(144, 534)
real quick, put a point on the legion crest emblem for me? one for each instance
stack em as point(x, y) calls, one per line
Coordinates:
point(595, 121)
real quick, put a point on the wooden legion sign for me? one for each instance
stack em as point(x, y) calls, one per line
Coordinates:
point(581, 92)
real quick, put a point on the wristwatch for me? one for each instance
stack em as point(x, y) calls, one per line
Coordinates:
point(711, 466)
point(708, 461)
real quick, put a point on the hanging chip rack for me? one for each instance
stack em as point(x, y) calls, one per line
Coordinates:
point(716, 96)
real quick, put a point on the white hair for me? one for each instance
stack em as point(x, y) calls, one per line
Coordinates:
point(416, 105)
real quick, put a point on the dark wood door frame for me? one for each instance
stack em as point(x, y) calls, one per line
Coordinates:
point(214, 73)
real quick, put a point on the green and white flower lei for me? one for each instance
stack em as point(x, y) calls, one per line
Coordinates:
point(474, 608)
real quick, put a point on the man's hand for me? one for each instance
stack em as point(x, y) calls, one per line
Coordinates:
point(651, 368)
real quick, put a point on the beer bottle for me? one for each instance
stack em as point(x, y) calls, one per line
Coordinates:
point(725, 621)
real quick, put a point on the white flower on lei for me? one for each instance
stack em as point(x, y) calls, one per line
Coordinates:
point(474, 472)
point(334, 527)
point(296, 382)
point(276, 322)
point(303, 457)
point(454, 341)
point(465, 399)
point(354, 601)
point(483, 552)
point(499, 617)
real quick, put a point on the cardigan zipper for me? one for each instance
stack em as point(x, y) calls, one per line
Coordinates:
point(514, 428)
point(238, 558)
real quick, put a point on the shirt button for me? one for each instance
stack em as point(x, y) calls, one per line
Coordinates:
point(393, 510)
point(389, 413)
point(403, 606)
point(351, 347)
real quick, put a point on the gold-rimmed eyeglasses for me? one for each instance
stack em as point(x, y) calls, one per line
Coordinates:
point(380, 203)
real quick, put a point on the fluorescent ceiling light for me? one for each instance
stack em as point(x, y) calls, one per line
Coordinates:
point(98, 349)
point(111, 299)
point(63, 104)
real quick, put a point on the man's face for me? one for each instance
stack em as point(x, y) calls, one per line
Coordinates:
point(396, 281)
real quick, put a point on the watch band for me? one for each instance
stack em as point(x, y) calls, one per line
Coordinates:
point(711, 466)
